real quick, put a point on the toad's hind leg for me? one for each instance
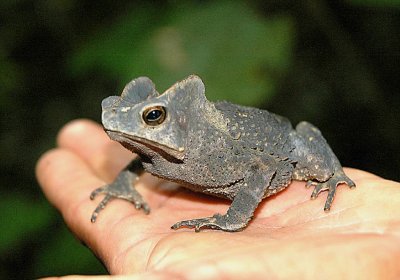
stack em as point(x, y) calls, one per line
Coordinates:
point(330, 185)
point(319, 165)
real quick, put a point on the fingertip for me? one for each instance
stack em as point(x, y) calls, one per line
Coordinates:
point(75, 129)
point(43, 164)
point(88, 140)
point(58, 171)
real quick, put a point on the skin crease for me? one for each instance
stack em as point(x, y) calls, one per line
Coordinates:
point(289, 237)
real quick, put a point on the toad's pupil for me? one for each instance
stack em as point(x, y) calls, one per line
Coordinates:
point(153, 115)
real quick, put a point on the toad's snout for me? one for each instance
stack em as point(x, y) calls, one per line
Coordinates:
point(109, 113)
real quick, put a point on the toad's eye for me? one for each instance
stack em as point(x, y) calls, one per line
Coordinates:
point(154, 115)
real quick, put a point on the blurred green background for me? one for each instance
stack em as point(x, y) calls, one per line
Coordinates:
point(333, 63)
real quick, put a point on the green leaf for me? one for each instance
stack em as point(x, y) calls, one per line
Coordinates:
point(20, 219)
point(10, 79)
point(239, 54)
point(63, 255)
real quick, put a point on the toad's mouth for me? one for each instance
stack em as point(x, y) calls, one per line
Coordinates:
point(145, 147)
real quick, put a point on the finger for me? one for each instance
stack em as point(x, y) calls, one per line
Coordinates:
point(88, 139)
point(67, 182)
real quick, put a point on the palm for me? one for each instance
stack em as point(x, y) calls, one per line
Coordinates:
point(289, 234)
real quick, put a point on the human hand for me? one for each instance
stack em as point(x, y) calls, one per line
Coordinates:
point(290, 236)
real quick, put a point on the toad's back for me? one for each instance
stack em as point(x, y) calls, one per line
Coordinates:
point(258, 129)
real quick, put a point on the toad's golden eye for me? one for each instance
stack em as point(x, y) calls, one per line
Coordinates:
point(154, 115)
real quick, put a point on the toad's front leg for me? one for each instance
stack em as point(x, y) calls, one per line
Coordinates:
point(122, 187)
point(251, 192)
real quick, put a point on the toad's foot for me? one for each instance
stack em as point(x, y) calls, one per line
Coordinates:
point(217, 221)
point(243, 205)
point(338, 178)
point(121, 188)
